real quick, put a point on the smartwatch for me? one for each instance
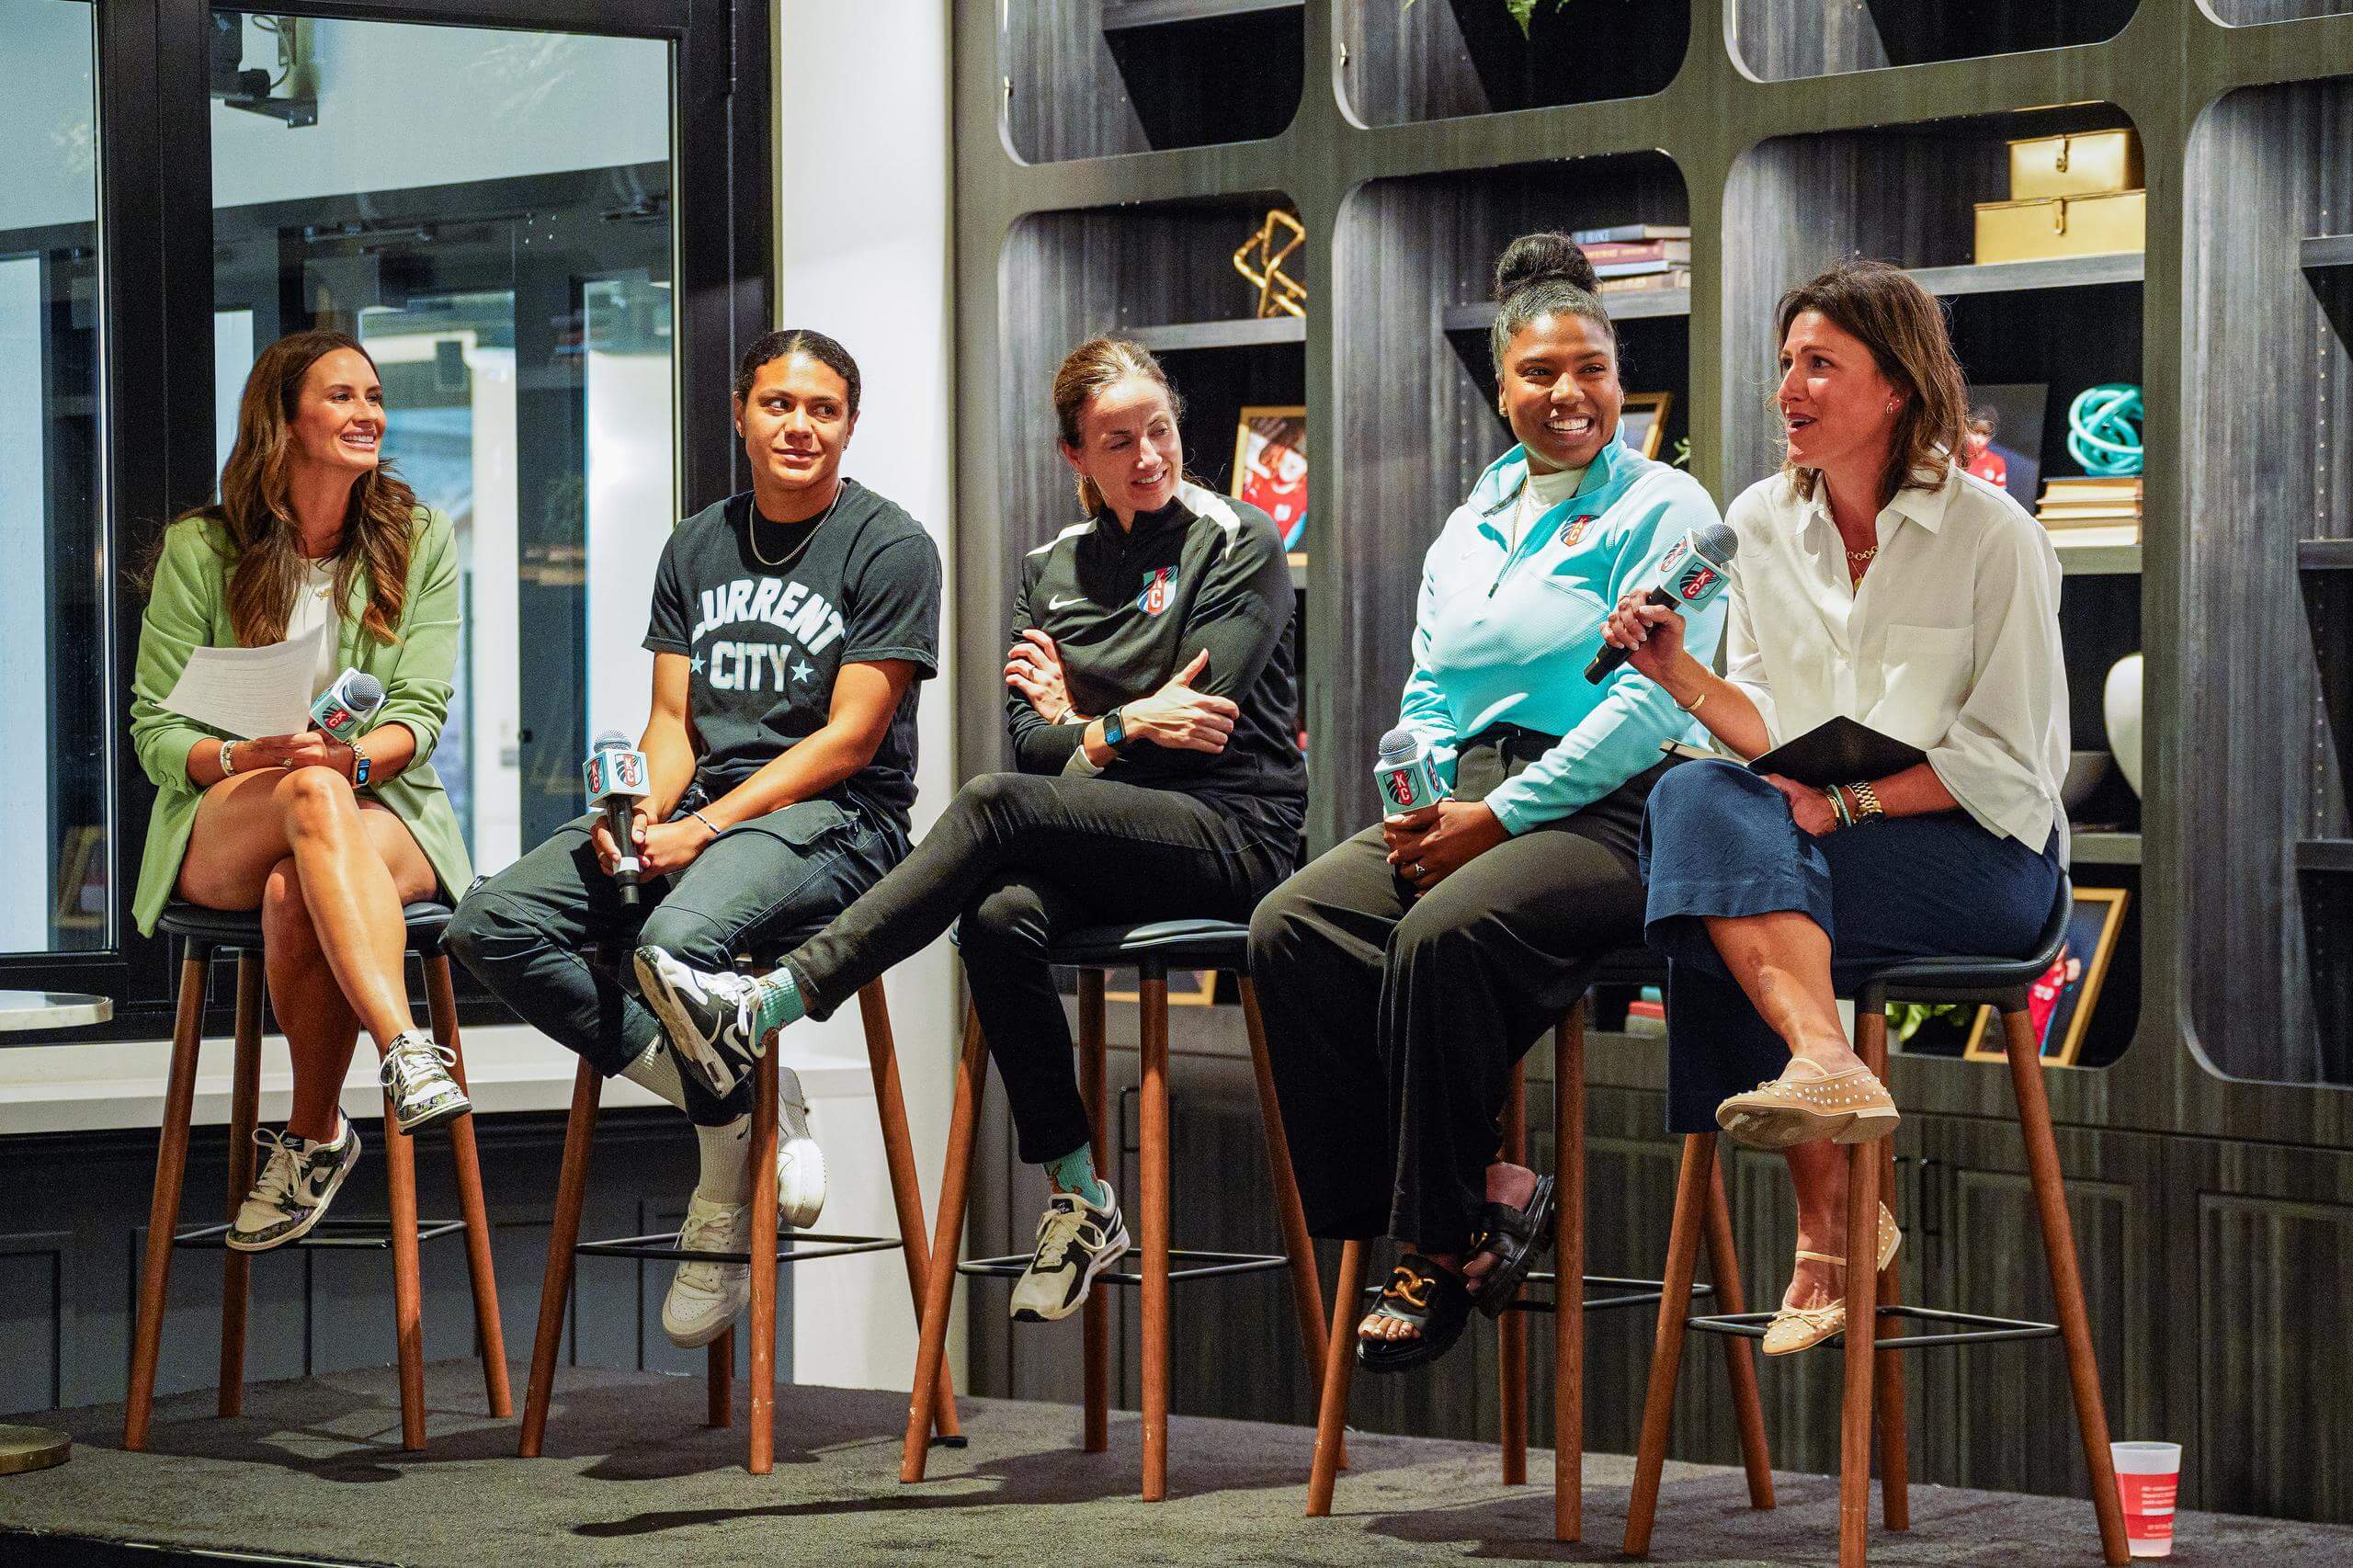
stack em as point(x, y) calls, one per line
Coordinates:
point(1115, 730)
point(360, 767)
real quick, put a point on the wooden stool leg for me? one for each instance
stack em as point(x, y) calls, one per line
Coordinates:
point(1568, 1270)
point(763, 1261)
point(1740, 1360)
point(1895, 1443)
point(899, 1156)
point(1511, 1329)
point(244, 1112)
point(1666, 1352)
point(1153, 995)
point(563, 1233)
point(1863, 1317)
point(1306, 1289)
point(164, 1211)
point(1095, 1086)
point(1339, 1365)
point(946, 1246)
point(408, 1295)
point(719, 1381)
point(2066, 1277)
point(489, 1335)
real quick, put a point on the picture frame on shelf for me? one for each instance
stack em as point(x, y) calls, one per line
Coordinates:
point(1642, 422)
point(2059, 1004)
point(1270, 466)
point(2006, 438)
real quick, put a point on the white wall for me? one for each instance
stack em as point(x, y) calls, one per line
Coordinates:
point(862, 95)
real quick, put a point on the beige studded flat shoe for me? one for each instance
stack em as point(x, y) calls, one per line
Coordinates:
point(1852, 1106)
point(1802, 1329)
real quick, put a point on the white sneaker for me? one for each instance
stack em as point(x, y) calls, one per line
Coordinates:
point(415, 1076)
point(706, 1299)
point(1077, 1241)
point(297, 1183)
point(799, 1164)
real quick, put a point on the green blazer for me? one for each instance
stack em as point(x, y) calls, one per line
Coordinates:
point(188, 609)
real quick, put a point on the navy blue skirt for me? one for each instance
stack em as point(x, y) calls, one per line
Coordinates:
point(1719, 840)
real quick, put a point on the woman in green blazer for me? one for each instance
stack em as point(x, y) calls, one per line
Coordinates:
point(328, 839)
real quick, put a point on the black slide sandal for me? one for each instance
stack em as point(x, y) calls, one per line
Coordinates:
point(1515, 1238)
point(1430, 1298)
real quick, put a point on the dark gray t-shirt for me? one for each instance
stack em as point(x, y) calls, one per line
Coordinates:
point(764, 643)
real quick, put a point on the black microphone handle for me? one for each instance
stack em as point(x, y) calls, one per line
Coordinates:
point(621, 820)
point(1612, 656)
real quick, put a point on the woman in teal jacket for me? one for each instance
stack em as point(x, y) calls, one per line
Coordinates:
point(1405, 971)
point(328, 839)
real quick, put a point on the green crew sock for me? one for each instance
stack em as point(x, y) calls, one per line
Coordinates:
point(780, 1002)
point(1074, 1172)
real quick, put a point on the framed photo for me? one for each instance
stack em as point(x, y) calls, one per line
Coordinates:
point(2006, 438)
point(1643, 421)
point(1270, 467)
point(2059, 1004)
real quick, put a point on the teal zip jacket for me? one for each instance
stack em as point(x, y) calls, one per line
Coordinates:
point(1502, 635)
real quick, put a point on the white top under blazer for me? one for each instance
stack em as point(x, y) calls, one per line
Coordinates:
point(1950, 642)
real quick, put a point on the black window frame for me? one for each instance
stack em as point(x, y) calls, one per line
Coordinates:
point(156, 284)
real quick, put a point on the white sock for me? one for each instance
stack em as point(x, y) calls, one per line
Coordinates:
point(726, 1176)
point(656, 1072)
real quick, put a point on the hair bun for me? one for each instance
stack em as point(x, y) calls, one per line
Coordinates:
point(1546, 257)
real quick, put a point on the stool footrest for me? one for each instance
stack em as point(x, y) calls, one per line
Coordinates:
point(373, 1235)
point(1218, 1265)
point(1976, 1328)
point(665, 1248)
point(1647, 1293)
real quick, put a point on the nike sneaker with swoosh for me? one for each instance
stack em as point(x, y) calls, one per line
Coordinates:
point(298, 1181)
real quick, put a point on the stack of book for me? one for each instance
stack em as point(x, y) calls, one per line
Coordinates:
point(2086, 510)
point(1633, 256)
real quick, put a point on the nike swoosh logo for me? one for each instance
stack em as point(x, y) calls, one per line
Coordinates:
point(1058, 602)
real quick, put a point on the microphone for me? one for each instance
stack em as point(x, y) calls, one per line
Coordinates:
point(615, 777)
point(344, 709)
point(1691, 574)
point(1405, 772)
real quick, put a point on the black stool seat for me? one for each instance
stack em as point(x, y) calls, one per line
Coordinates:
point(1990, 981)
point(1179, 944)
point(239, 929)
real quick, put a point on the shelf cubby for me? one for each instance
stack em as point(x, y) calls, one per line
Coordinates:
point(2253, 13)
point(1445, 58)
point(1781, 40)
point(1094, 78)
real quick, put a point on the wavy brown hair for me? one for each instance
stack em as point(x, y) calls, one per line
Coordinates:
point(257, 509)
point(1093, 365)
point(1904, 326)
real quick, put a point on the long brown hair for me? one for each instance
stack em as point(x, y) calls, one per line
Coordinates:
point(1097, 363)
point(1904, 326)
point(257, 511)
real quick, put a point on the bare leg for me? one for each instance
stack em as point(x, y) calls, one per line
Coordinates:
point(1818, 1172)
point(1781, 962)
point(320, 1026)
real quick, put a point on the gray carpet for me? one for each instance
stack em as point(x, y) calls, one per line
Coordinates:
point(313, 1471)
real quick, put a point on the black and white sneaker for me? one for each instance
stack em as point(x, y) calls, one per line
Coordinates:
point(298, 1181)
point(713, 1019)
point(416, 1082)
point(1077, 1241)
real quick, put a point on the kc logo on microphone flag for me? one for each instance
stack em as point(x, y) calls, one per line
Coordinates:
point(1697, 583)
point(1400, 787)
point(1159, 587)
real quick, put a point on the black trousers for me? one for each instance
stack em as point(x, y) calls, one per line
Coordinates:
point(1016, 859)
point(552, 937)
point(1394, 1021)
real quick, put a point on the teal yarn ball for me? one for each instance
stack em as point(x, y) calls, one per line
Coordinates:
point(2104, 428)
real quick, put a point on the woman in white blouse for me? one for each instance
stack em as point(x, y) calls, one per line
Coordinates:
point(1876, 580)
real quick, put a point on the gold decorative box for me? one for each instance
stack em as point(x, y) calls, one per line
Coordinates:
point(2070, 225)
point(2091, 163)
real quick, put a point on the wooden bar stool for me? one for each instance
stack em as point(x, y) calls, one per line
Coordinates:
point(1152, 950)
point(1873, 1366)
point(199, 934)
point(564, 1245)
point(1568, 1309)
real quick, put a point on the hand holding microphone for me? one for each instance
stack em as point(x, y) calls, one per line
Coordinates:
point(1647, 625)
point(615, 779)
point(1429, 835)
point(338, 716)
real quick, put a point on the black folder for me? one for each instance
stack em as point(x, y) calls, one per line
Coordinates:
point(1839, 752)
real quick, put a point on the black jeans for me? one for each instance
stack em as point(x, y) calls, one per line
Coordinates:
point(1018, 858)
point(529, 931)
point(1394, 1021)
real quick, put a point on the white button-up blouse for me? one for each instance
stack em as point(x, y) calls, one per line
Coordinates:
point(1950, 642)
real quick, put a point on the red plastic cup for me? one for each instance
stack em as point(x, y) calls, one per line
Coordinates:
point(2147, 1476)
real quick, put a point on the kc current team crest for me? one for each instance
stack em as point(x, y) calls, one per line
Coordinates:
point(1159, 588)
point(1572, 531)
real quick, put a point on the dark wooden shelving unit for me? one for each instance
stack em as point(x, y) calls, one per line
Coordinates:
point(1785, 40)
point(1639, 304)
point(1127, 16)
point(1247, 333)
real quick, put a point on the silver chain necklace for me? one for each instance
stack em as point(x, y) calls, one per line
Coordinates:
point(792, 556)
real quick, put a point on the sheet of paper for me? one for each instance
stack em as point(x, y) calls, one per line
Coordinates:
point(250, 692)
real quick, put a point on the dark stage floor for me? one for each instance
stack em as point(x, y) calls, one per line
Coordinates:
point(313, 1474)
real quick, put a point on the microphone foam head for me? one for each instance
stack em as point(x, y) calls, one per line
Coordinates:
point(611, 740)
point(1398, 744)
point(365, 692)
point(1717, 541)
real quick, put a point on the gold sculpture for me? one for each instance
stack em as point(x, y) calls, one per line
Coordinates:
point(1278, 292)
